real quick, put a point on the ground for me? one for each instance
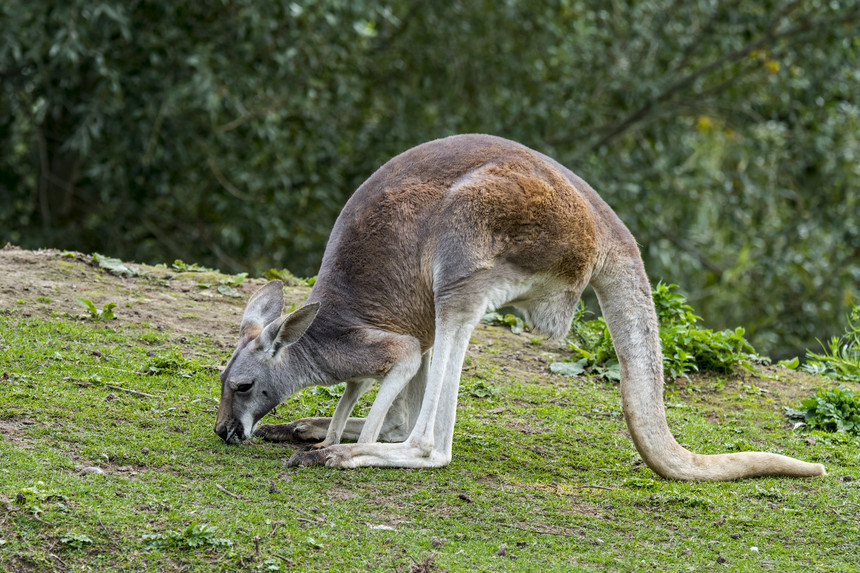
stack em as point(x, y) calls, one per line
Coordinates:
point(109, 461)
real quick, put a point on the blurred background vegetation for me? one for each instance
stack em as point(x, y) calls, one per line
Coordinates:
point(726, 134)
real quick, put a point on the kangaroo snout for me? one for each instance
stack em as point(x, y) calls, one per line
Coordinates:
point(230, 431)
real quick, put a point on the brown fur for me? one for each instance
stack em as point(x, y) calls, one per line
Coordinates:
point(529, 214)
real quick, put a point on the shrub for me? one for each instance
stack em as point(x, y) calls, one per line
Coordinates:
point(834, 410)
point(841, 357)
point(686, 347)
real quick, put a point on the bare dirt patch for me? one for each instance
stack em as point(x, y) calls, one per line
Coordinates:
point(47, 282)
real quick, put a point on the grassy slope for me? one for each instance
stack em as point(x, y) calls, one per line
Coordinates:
point(544, 476)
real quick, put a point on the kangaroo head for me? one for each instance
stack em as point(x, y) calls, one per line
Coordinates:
point(256, 378)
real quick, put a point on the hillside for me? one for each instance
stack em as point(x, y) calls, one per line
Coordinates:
point(109, 460)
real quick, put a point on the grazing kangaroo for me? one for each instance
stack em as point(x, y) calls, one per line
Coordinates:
point(435, 238)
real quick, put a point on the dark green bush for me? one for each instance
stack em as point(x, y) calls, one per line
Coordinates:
point(833, 410)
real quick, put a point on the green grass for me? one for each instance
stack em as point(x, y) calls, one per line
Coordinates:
point(544, 477)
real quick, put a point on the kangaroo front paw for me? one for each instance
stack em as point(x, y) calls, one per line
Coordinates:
point(295, 432)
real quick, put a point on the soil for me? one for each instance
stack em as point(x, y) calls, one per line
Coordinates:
point(47, 283)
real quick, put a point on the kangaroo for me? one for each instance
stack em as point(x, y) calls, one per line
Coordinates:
point(435, 238)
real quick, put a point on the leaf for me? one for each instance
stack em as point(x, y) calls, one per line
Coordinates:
point(790, 364)
point(610, 371)
point(107, 312)
point(114, 266)
point(88, 304)
point(234, 280)
point(568, 368)
point(229, 291)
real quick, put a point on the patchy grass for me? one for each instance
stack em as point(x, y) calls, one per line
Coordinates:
point(109, 461)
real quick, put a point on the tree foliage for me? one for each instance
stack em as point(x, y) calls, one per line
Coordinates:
point(231, 132)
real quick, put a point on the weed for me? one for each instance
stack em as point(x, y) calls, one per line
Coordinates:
point(334, 391)
point(285, 276)
point(686, 347)
point(226, 286)
point(569, 368)
point(75, 540)
point(172, 362)
point(184, 267)
point(33, 498)
point(194, 536)
point(515, 323)
point(106, 313)
point(478, 389)
point(834, 410)
point(841, 357)
point(115, 266)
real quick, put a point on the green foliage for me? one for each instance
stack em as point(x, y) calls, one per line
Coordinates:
point(334, 391)
point(195, 536)
point(515, 323)
point(791, 363)
point(686, 347)
point(478, 389)
point(569, 368)
point(34, 498)
point(831, 410)
point(226, 286)
point(184, 267)
point(841, 357)
point(75, 540)
point(288, 278)
point(171, 362)
point(114, 266)
point(106, 313)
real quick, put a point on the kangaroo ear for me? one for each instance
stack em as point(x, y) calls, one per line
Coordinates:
point(263, 307)
point(289, 329)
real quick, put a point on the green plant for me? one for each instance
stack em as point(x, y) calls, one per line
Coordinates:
point(184, 267)
point(333, 391)
point(841, 357)
point(192, 537)
point(833, 410)
point(115, 266)
point(171, 362)
point(75, 540)
point(33, 498)
point(478, 389)
point(106, 313)
point(515, 323)
point(686, 347)
point(226, 285)
point(285, 276)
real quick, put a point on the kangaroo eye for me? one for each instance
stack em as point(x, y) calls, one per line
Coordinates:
point(244, 387)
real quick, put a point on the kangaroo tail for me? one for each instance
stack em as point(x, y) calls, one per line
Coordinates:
point(625, 297)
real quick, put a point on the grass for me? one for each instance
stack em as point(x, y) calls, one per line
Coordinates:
point(544, 476)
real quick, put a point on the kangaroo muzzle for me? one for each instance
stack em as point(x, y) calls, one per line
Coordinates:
point(231, 431)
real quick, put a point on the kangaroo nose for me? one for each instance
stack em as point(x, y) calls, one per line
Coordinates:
point(222, 431)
